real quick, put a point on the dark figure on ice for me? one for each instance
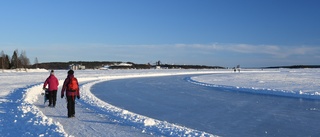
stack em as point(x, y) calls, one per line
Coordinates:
point(53, 83)
point(71, 87)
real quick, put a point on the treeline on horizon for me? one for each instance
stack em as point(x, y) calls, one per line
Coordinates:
point(99, 64)
point(18, 61)
point(22, 61)
point(296, 66)
point(111, 64)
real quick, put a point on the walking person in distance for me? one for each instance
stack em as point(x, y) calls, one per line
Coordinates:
point(53, 84)
point(71, 88)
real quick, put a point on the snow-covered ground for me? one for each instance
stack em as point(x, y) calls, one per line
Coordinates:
point(22, 112)
point(304, 83)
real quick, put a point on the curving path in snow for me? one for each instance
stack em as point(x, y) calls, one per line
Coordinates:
point(24, 114)
point(88, 121)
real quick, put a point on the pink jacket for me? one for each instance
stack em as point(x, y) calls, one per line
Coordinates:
point(64, 87)
point(53, 83)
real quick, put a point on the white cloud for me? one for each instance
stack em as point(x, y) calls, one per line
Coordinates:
point(273, 50)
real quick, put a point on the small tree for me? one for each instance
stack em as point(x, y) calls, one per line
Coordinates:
point(24, 60)
point(7, 62)
point(158, 63)
point(36, 62)
point(15, 60)
point(2, 60)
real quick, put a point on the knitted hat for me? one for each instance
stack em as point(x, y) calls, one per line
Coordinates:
point(70, 72)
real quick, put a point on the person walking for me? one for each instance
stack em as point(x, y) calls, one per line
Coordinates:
point(53, 84)
point(71, 87)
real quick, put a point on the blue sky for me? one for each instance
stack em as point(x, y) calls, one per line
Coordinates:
point(203, 32)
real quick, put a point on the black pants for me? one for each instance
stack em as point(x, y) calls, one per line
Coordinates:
point(71, 106)
point(52, 98)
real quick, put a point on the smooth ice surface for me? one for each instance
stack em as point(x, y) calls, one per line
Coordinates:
point(216, 110)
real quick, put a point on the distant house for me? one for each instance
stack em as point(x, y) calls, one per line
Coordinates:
point(116, 66)
point(77, 67)
point(123, 64)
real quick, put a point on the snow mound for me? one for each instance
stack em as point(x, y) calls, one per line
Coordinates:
point(149, 122)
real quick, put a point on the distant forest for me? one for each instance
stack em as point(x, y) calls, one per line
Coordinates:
point(22, 61)
point(297, 66)
point(99, 64)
